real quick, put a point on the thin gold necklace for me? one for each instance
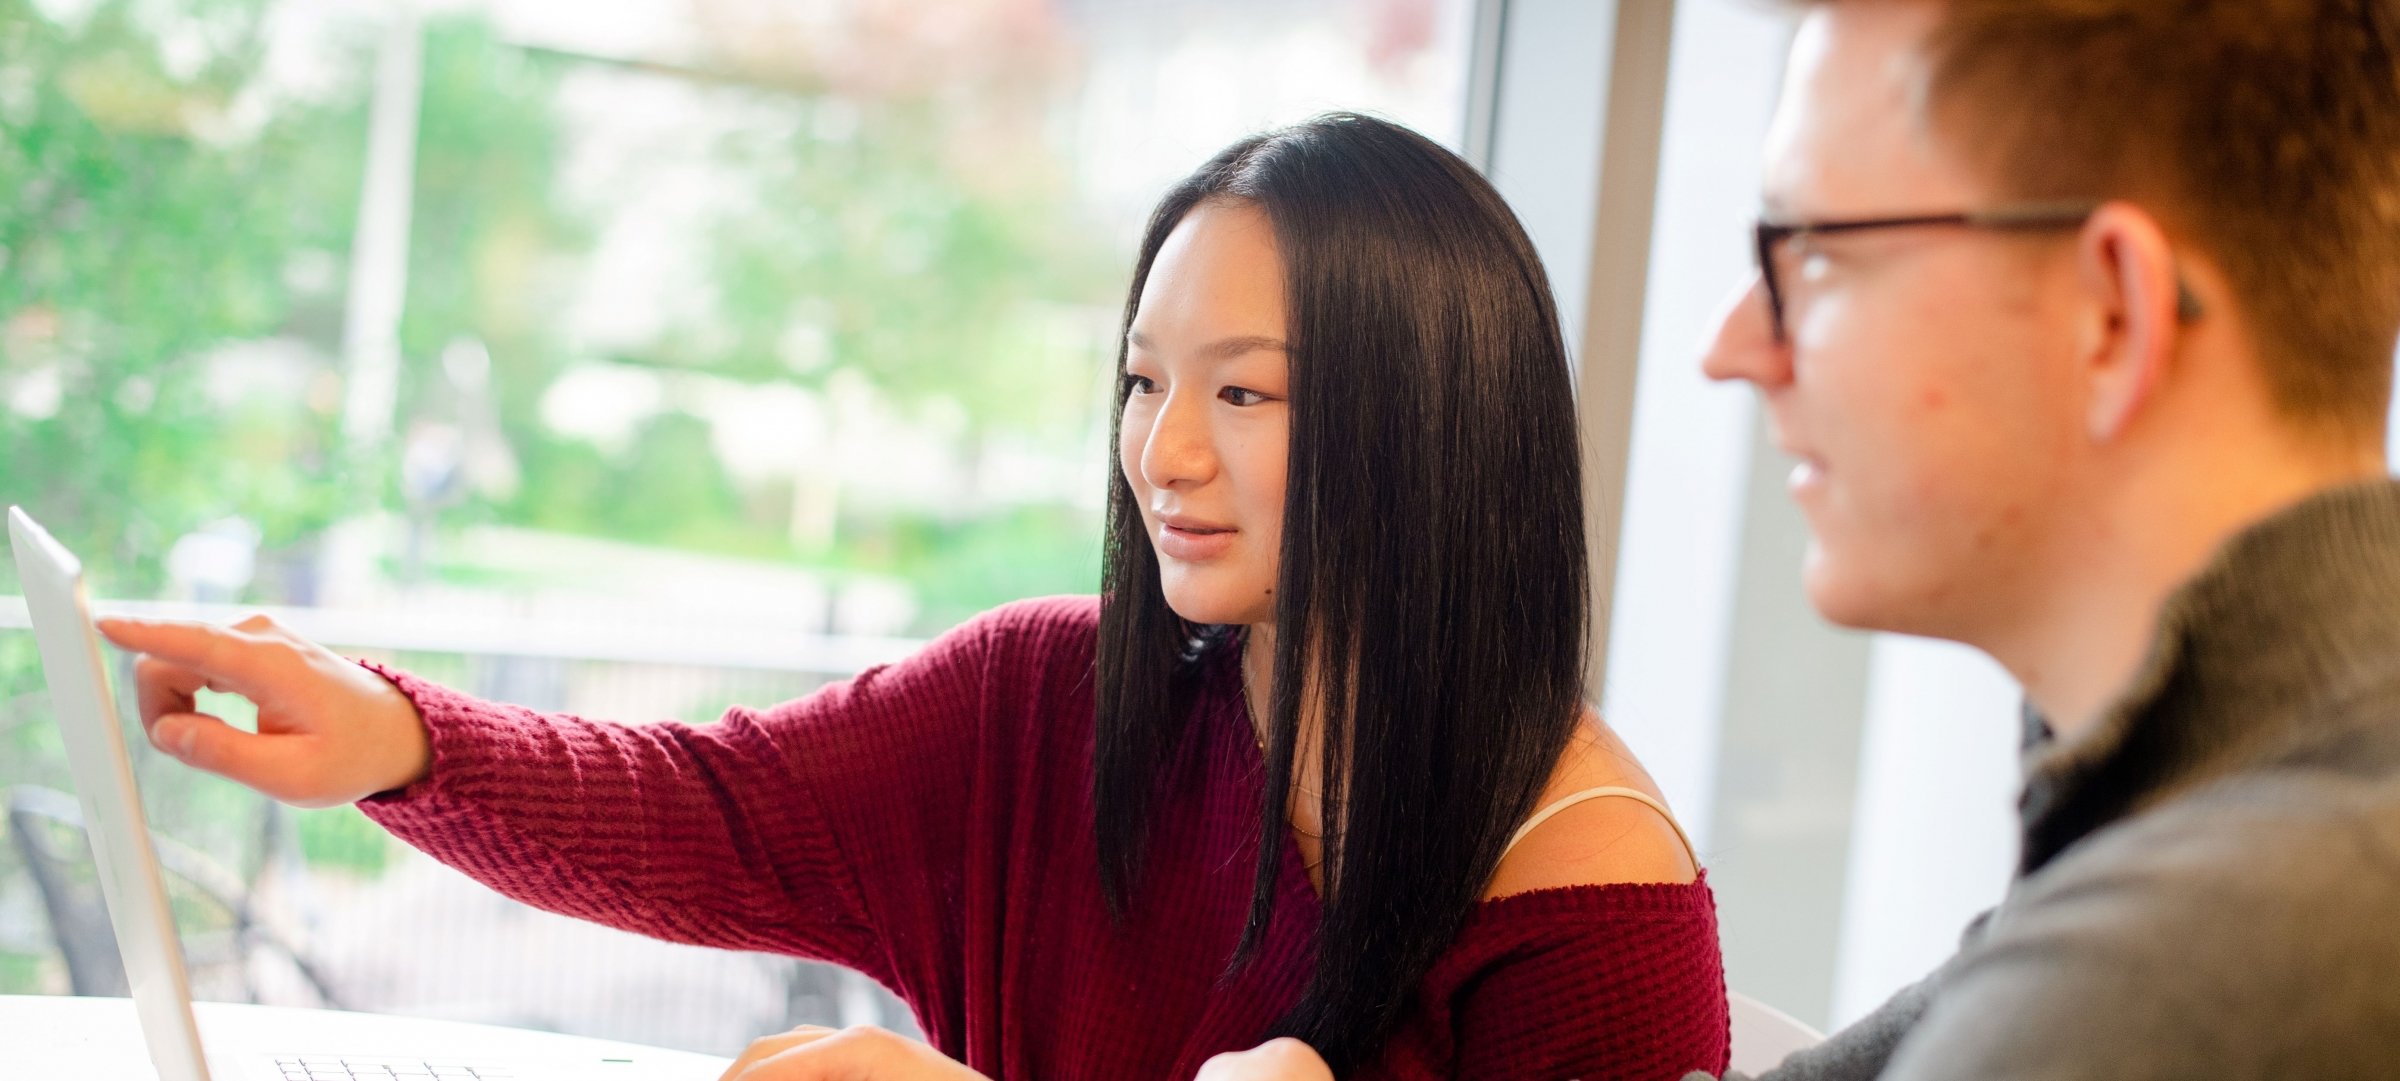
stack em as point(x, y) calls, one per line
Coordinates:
point(1257, 735)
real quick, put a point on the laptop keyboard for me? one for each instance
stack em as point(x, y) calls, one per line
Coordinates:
point(320, 1068)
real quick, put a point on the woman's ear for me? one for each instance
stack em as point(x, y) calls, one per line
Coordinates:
point(2130, 314)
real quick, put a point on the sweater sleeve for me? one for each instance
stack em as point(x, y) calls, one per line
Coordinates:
point(1619, 981)
point(1856, 1053)
point(1860, 1051)
point(742, 834)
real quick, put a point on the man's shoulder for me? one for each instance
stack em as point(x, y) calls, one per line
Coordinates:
point(2242, 930)
point(2280, 821)
point(2264, 854)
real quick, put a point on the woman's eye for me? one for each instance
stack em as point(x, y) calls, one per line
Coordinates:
point(1241, 396)
point(1140, 384)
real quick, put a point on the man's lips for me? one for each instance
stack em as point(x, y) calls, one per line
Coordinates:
point(1808, 470)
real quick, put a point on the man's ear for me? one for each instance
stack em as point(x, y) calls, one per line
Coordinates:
point(2131, 314)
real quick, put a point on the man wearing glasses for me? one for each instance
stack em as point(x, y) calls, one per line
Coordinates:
point(2079, 317)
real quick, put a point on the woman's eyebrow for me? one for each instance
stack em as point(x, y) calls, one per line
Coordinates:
point(1222, 348)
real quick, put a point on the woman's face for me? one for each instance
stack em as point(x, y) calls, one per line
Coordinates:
point(1207, 423)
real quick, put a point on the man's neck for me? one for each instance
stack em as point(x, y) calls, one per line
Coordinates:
point(2077, 650)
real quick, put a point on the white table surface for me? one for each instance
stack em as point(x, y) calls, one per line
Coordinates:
point(64, 1038)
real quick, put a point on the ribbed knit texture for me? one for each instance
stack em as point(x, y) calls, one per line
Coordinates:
point(929, 824)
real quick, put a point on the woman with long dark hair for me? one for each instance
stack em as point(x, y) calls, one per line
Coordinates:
point(1315, 764)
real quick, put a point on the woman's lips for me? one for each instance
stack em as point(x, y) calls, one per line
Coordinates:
point(1195, 544)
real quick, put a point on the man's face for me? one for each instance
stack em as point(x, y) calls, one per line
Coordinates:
point(1925, 381)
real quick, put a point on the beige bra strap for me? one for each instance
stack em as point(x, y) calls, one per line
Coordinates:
point(1589, 794)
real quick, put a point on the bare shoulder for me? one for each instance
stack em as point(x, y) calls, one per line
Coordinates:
point(1596, 842)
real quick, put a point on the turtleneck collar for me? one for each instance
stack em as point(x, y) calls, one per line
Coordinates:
point(2253, 657)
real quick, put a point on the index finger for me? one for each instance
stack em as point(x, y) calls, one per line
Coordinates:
point(219, 654)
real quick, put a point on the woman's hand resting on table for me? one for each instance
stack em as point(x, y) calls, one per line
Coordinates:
point(811, 1053)
point(329, 731)
point(815, 1053)
point(1286, 1059)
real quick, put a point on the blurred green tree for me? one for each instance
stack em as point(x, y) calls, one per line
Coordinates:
point(914, 234)
point(154, 209)
point(175, 228)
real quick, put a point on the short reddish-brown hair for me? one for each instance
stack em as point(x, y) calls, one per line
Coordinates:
point(2266, 133)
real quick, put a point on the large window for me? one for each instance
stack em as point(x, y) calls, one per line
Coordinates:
point(635, 358)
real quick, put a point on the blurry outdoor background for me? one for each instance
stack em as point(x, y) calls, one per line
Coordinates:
point(634, 359)
point(644, 357)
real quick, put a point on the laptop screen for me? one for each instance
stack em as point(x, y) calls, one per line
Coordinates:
point(112, 809)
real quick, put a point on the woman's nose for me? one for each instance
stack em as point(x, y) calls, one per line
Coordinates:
point(1178, 451)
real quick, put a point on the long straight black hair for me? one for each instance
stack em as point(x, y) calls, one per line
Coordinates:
point(1432, 560)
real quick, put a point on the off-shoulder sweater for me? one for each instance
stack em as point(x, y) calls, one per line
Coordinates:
point(929, 823)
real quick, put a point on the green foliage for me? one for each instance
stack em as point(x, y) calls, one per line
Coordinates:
point(671, 485)
point(915, 268)
point(485, 214)
point(962, 568)
point(21, 973)
point(152, 225)
point(487, 232)
point(342, 837)
point(144, 222)
point(175, 233)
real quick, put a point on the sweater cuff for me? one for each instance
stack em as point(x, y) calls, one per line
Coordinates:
point(449, 735)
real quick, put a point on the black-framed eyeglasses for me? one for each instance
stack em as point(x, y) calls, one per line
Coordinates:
point(1772, 235)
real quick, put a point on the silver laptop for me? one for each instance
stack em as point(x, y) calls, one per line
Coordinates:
point(135, 893)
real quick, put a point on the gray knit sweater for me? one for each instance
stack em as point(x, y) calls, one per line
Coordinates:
point(2210, 880)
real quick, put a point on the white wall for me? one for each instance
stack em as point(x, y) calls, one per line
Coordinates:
point(1673, 599)
point(1553, 80)
point(1933, 833)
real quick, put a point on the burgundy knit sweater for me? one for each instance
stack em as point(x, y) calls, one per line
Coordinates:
point(929, 824)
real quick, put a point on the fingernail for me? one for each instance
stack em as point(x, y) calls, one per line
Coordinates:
point(185, 740)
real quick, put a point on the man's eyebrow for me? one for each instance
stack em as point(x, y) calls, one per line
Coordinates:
point(1222, 348)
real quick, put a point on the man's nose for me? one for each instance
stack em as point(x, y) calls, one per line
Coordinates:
point(1178, 451)
point(1745, 346)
